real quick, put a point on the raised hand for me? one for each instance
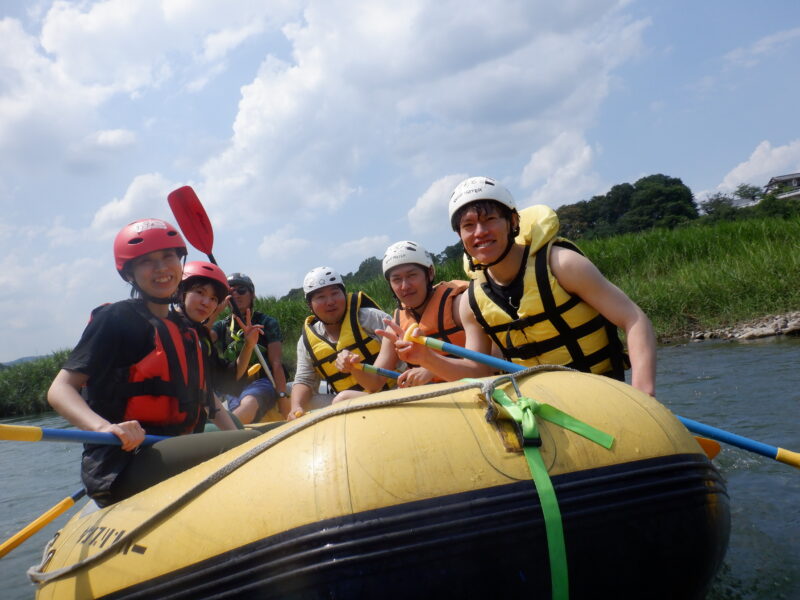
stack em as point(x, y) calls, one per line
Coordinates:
point(250, 332)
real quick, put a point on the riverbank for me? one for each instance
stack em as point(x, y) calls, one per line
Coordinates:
point(768, 326)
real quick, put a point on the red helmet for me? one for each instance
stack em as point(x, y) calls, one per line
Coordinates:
point(207, 270)
point(142, 237)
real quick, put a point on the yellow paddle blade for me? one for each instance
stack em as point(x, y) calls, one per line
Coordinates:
point(39, 523)
point(710, 447)
point(20, 433)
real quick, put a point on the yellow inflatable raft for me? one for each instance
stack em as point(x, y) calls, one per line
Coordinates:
point(418, 493)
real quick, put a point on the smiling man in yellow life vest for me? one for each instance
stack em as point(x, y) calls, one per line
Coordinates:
point(340, 321)
point(536, 296)
point(410, 273)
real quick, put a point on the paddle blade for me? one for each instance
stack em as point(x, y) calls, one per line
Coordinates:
point(192, 218)
point(40, 523)
point(710, 447)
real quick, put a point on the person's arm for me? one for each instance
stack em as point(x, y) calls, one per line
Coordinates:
point(306, 382)
point(274, 356)
point(346, 361)
point(65, 398)
point(222, 417)
point(578, 275)
point(301, 397)
point(251, 334)
point(445, 367)
point(272, 340)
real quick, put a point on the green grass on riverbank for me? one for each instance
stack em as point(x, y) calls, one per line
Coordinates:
point(697, 277)
point(702, 277)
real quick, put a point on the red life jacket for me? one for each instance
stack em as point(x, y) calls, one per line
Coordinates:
point(166, 390)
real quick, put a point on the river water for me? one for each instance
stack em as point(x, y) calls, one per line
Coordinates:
point(750, 388)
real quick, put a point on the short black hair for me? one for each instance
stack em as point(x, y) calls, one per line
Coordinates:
point(482, 208)
point(190, 284)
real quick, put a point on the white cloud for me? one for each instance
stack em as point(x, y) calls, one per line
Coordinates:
point(218, 44)
point(114, 138)
point(442, 85)
point(367, 246)
point(54, 316)
point(752, 55)
point(563, 171)
point(56, 80)
point(429, 213)
point(145, 197)
point(281, 244)
point(765, 162)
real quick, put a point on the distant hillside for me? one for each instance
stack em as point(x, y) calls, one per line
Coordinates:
point(24, 359)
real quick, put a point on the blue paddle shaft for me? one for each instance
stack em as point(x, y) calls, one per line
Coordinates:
point(693, 426)
point(729, 438)
point(91, 437)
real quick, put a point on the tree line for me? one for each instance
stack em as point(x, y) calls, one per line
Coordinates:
point(663, 201)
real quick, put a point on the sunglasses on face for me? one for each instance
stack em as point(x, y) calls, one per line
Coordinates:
point(241, 290)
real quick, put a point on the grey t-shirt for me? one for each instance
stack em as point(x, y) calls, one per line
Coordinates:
point(370, 319)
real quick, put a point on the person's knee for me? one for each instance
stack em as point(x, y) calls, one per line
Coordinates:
point(247, 410)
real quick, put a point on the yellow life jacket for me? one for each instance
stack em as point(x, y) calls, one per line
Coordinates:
point(551, 326)
point(352, 337)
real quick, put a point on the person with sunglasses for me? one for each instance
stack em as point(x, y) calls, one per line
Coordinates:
point(251, 397)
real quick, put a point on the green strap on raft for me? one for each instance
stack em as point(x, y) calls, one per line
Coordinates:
point(525, 412)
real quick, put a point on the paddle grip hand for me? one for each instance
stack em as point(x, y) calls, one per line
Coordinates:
point(130, 433)
point(346, 361)
point(414, 377)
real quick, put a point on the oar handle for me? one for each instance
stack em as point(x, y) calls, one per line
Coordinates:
point(376, 370)
point(27, 433)
point(486, 359)
point(40, 522)
point(779, 454)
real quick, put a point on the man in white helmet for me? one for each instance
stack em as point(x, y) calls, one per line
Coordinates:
point(340, 321)
point(536, 296)
point(434, 309)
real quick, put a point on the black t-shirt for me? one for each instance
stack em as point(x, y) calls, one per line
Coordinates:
point(510, 295)
point(117, 337)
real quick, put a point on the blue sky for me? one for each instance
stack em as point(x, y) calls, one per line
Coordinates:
point(319, 132)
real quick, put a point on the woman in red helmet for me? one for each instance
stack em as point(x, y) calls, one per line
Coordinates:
point(204, 294)
point(139, 367)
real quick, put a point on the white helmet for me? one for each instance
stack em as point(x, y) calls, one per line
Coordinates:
point(479, 188)
point(320, 278)
point(403, 253)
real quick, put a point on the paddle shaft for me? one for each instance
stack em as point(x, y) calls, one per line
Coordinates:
point(196, 226)
point(780, 454)
point(40, 522)
point(27, 433)
point(377, 370)
point(256, 349)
